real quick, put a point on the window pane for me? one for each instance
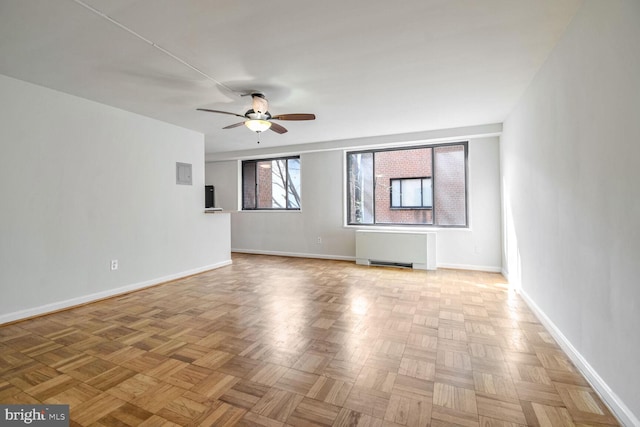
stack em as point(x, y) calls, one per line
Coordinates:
point(403, 165)
point(264, 186)
point(424, 185)
point(427, 195)
point(293, 189)
point(248, 185)
point(279, 183)
point(360, 182)
point(395, 193)
point(450, 192)
point(411, 192)
point(271, 184)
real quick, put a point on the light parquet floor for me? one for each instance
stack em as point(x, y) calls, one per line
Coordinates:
point(273, 341)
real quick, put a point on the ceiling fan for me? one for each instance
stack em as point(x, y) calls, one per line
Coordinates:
point(258, 118)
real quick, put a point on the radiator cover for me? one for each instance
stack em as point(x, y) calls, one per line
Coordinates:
point(415, 249)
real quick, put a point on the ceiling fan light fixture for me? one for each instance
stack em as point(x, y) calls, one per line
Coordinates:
point(258, 125)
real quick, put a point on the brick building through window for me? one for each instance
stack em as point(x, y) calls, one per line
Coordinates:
point(439, 169)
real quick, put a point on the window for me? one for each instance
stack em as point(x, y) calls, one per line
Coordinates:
point(411, 186)
point(413, 193)
point(271, 184)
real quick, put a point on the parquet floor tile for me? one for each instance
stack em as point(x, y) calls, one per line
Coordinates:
point(349, 418)
point(245, 394)
point(376, 379)
point(185, 409)
point(221, 414)
point(343, 370)
point(126, 414)
point(279, 342)
point(368, 401)
point(503, 410)
point(330, 390)
point(251, 419)
point(418, 367)
point(407, 411)
point(277, 404)
point(313, 362)
point(313, 412)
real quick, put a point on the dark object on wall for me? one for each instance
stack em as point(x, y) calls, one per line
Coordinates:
point(209, 196)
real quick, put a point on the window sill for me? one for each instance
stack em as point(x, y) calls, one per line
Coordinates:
point(270, 211)
point(425, 228)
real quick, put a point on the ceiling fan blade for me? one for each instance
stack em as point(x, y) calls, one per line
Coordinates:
point(277, 128)
point(299, 116)
point(235, 125)
point(221, 112)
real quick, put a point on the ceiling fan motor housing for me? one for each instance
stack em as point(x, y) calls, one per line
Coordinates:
point(260, 103)
point(253, 115)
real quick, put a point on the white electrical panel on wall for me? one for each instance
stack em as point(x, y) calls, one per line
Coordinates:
point(183, 173)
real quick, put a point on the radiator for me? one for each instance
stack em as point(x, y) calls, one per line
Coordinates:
point(398, 248)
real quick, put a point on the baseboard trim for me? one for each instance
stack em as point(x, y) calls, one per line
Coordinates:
point(488, 269)
point(615, 404)
point(85, 299)
point(353, 258)
point(294, 254)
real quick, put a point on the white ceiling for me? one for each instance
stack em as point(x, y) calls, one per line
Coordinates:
point(364, 68)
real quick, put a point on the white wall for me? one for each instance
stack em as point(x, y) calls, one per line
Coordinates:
point(296, 233)
point(81, 184)
point(571, 184)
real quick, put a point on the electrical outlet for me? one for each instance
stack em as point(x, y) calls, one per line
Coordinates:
point(319, 240)
point(114, 264)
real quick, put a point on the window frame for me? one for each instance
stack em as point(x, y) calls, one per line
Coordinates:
point(421, 206)
point(374, 224)
point(255, 162)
